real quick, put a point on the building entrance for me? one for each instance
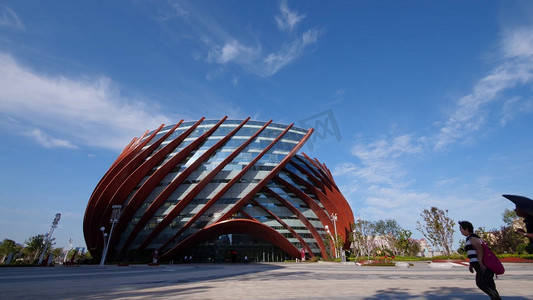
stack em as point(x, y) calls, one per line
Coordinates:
point(233, 248)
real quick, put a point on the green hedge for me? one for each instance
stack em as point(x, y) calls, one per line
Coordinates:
point(441, 257)
point(526, 256)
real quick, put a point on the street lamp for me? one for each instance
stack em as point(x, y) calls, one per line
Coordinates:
point(334, 218)
point(68, 250)
point(48, 236)
point(104, 235)
point(332, 239)
point(115, 215)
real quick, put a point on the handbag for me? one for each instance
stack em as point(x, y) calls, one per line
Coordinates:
point(491, 261)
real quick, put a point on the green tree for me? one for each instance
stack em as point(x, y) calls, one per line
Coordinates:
point(484, 235)
point(509, 216)
point(58, 254)
point(414, 248)
point(71, 254)
point(406, 245)
point(506, 240)
point(33, 247)
point(364, 234)
point(339, 244)
point(328, 241)
point(9, 246)
point(437, 228)
point(461, 249)
point(87, 256)
point(390, 231)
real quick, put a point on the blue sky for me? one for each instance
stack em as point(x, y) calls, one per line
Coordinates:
point(429, 103)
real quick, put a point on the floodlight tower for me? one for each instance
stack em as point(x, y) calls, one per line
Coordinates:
point(48, 238)
point(115, 215)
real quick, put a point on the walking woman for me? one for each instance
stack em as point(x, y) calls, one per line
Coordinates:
point(474, 251)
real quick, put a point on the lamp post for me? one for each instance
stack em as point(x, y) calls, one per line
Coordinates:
point(334, 218)
point(333, 239)
point(49, 236)
point(68, 250)
point(354, 241)
point(104, 235)
point(115, 215)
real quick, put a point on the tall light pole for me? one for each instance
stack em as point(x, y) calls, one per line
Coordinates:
point(104, 235)
point(334, 218)
point(115, 215)
point(332, 239)
point(68, 250)
point(49, 236)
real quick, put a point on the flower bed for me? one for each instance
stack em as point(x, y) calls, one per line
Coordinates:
point(457, 261)
point(515, 260)
point(377, 263)
point(502, 259)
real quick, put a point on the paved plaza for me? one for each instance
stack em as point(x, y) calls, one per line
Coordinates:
point(258, 281)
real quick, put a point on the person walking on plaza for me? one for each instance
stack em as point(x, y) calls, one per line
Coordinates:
point(524, 209)
point(528, 220)
point(474, 251)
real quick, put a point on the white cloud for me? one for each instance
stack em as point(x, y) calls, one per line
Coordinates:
point(233, 51)
point(473, 109)
point(257, 59)
point(518, 43)
point(253, 60)
point(344, 169)
point(273, 62)
point(230, 51)
point(288, 19)
point(379, 184)
point(9, 18)
point(379, 162)
point(392, 198)
point(310, 37)
point(513, 107)
point(47, 141)
point(75, 111)
point(383, 149)
point(445, 182)
point(226, 48)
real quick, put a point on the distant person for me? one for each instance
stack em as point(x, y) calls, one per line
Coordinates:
point(246, 259)
point(528, 219)
point(474, 251)
point(155, 256)
point(524, 209)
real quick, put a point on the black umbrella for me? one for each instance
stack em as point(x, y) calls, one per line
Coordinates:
point(523, 203)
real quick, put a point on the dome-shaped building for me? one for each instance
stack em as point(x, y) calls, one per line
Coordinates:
point(217, 190)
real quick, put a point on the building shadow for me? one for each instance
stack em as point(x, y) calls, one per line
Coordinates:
point(443, 293)
point(175, 292)
point(173, 287)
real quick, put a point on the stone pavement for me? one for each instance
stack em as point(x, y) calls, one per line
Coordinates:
point(258, 281)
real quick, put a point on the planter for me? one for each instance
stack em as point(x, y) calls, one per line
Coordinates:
point(402, 264)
